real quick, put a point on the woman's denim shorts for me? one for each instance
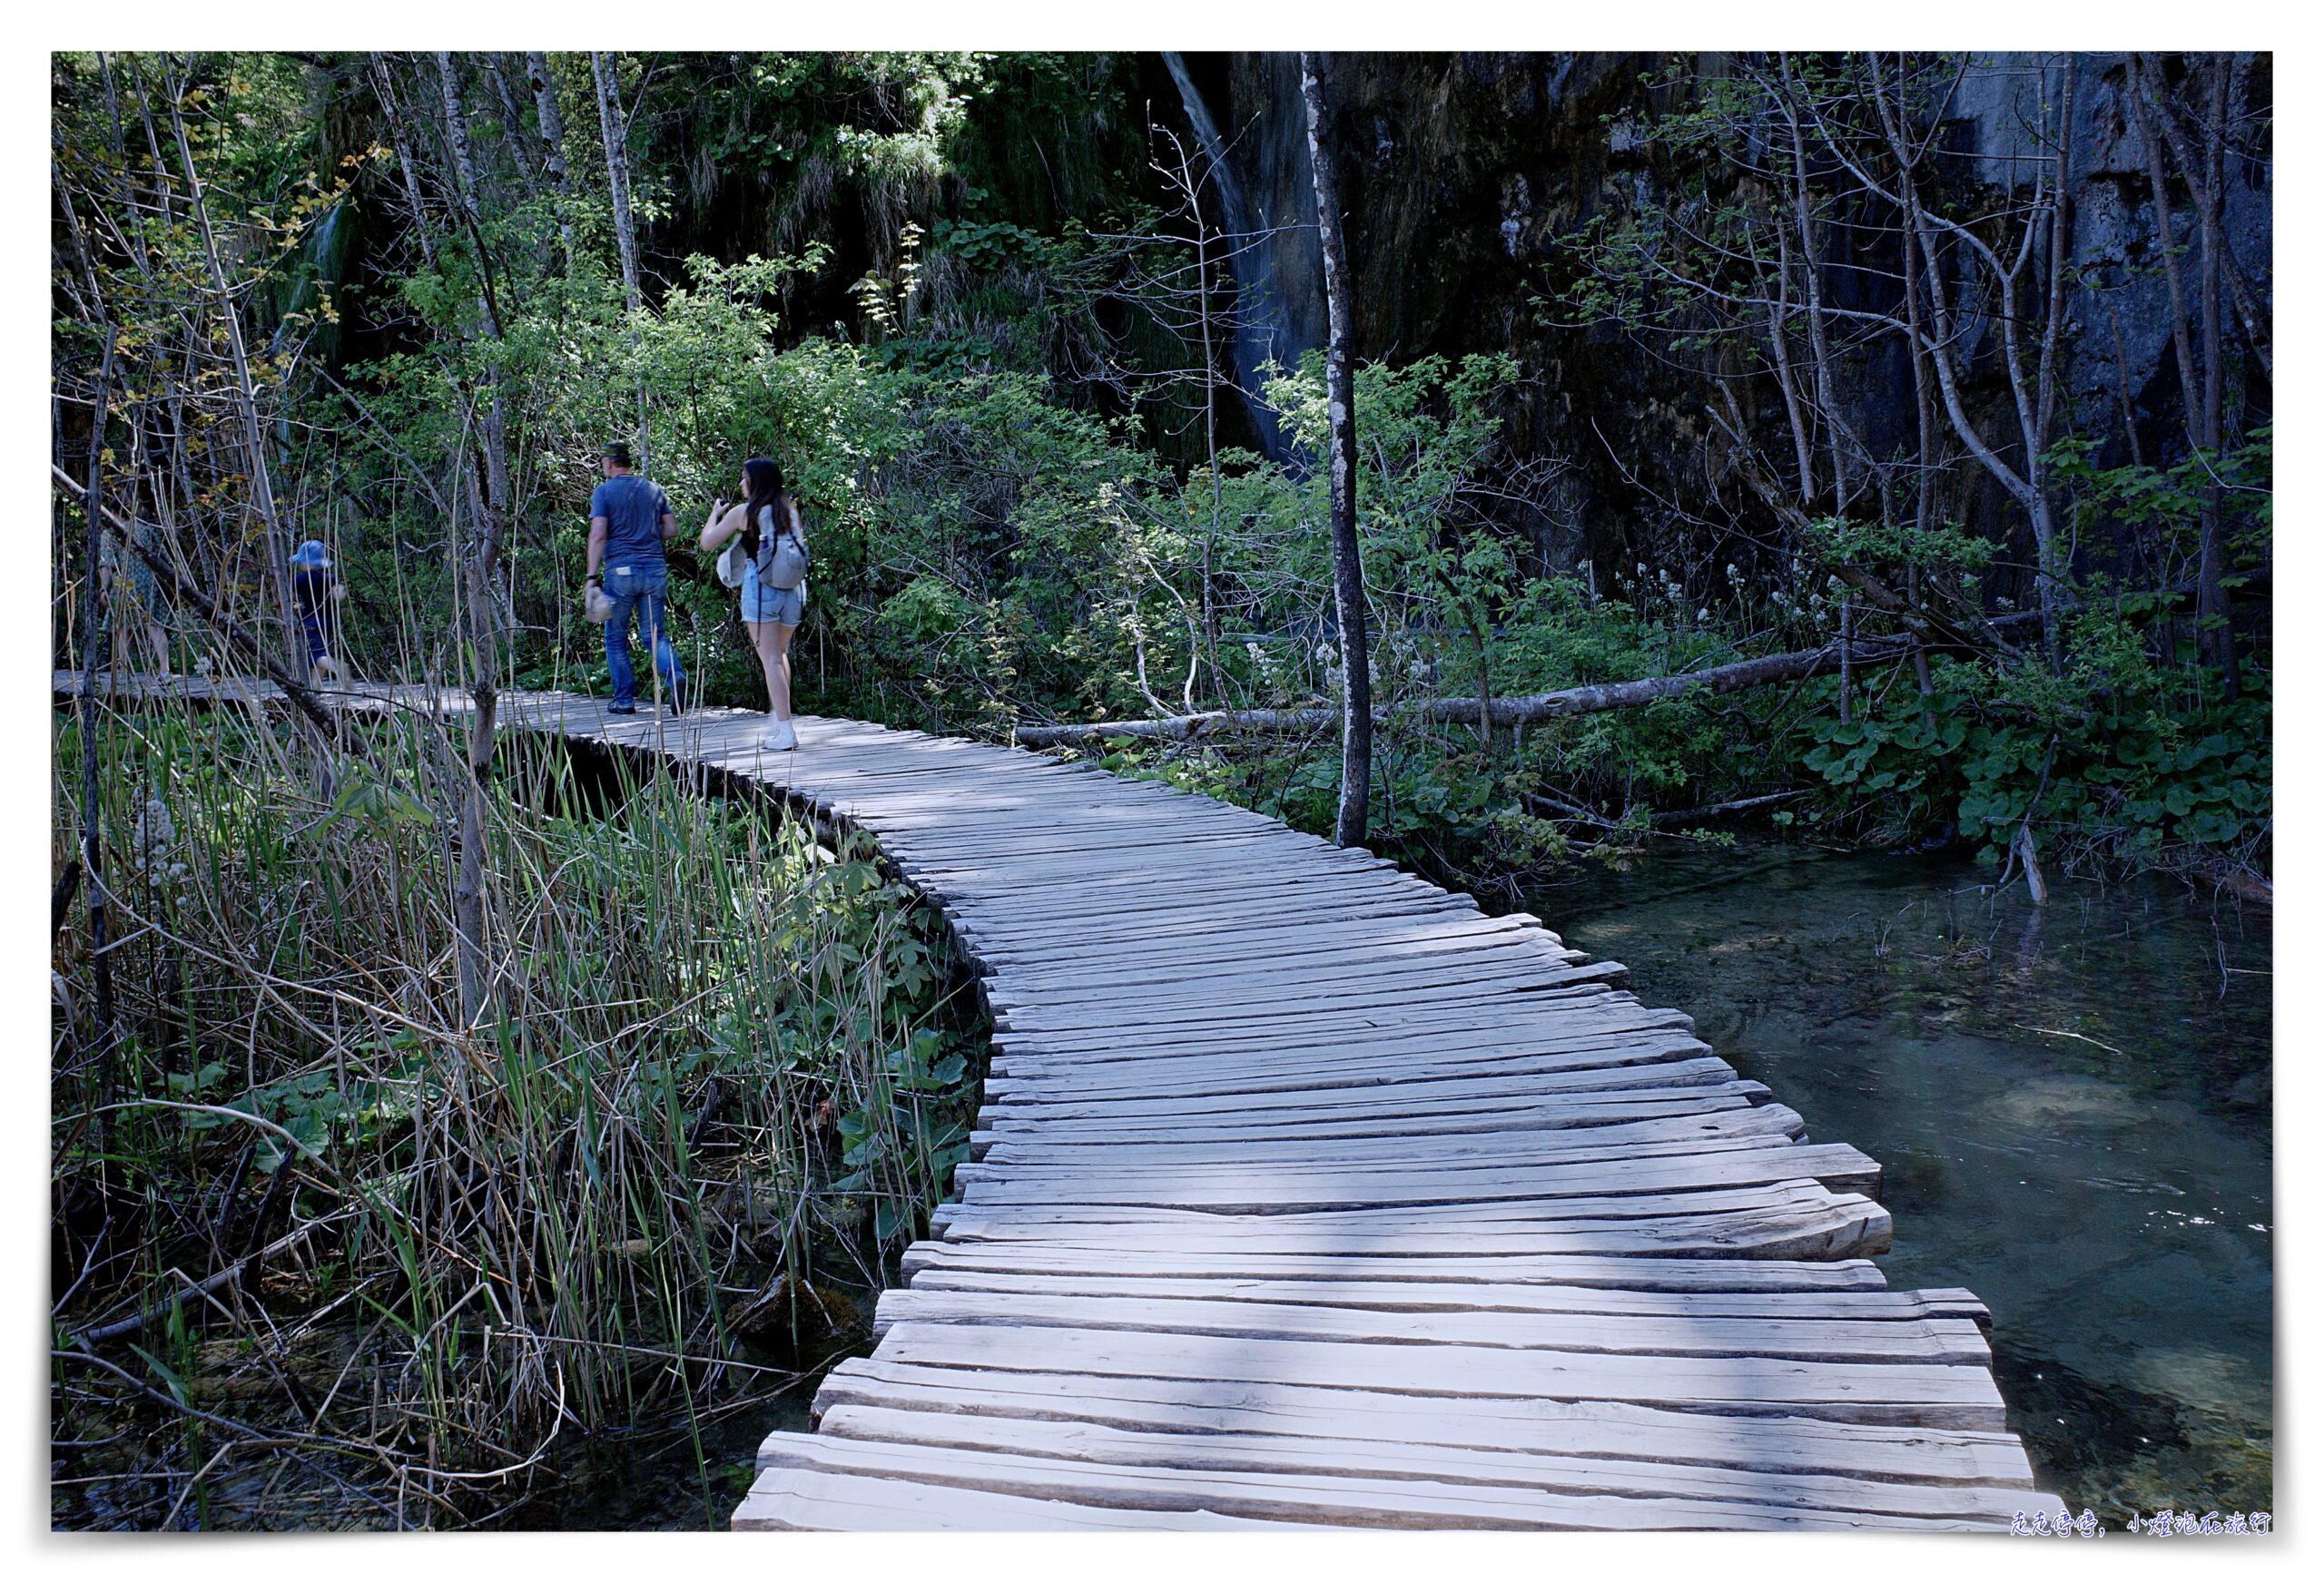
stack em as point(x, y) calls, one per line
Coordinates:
point(760, 603)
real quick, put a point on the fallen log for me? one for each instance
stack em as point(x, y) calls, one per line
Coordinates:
point(2256, 587)
point(2242, 883)
point(1721, 810)
point(209, 1285)
point(1522, 710)
point(1659, 821)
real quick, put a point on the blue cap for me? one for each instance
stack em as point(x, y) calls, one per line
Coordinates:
point(311, 554)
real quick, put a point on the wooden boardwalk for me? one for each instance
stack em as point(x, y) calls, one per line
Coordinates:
point(1306, 1192)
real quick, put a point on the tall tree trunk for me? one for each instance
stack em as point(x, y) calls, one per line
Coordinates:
point(615, 128)
point(406, 153)
point(1779, 338)
point(92, 807)
point(610, 122)
point(464, 180)
point(483, 626)
point(1939, 339)
point(511, 117)
point(1347, 556)
point(552, 139)
point(262, 483)
point(2216, 625)
point(2047, 570)
point(2256, 327)
point(1923, 471)
point(2147, 111)
point(1210, 451)
point(1827, 403)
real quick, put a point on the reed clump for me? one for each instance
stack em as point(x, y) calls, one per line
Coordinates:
point(323, 1254)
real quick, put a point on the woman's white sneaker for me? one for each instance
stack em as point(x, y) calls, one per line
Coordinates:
point(781, 736)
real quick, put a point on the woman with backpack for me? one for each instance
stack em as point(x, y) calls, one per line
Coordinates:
point(768, 561)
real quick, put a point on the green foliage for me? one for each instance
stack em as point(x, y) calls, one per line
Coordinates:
point(1000, 540)
point(2110, 761)
point(721, 1055)
point(2170, 501)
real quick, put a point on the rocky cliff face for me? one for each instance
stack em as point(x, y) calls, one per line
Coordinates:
point(1464, 173)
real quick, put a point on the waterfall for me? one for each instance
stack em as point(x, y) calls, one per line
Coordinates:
point(1256, 313)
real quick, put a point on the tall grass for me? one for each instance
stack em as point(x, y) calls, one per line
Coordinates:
point(328, 1256)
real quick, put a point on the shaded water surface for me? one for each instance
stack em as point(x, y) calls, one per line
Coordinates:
point(2072, 1108)
point(669, 1480)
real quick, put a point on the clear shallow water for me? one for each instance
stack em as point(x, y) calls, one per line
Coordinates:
point(2073, 1109)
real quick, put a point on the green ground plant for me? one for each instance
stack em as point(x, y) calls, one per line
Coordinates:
point(728, 1072)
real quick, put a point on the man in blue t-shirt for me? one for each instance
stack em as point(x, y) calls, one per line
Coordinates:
point(629, 517)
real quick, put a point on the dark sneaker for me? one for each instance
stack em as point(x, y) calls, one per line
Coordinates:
point(676, 699)
point(621, 709)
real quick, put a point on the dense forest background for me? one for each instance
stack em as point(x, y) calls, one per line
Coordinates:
point(1666, 361)
point(1876, 447)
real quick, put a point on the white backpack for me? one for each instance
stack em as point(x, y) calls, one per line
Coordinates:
point(783, 560)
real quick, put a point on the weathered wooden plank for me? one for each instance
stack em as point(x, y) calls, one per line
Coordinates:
point(1336, 983)
point(1454, 1079)
point(1607, 1042)
point(1730, 1225)
point(1484, 1212)
point(1182, 862)
point(1726, 1129)
point(1223, 1009)
point(1248, 1452)
point(1418, 1267)
point(1839, 1167)
point(1388, 1119)
point(1336, 1065)
point(1584, 1095)
point(1317, 1497)
point(808, 1499)
point(1513, 957)
point(1150, 1162)
point(1776, 1445)
point(1225, 1088)
point(1176, 855)
point(1954, 1396)
point(1177, 911)
point(1693, 1132)
point(1124, 909)
point(1819, 1339)
point(1034, 965)
point(1422, 1297)
point(1549, 1021)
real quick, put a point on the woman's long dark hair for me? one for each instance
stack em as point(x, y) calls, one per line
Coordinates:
point(765, 479)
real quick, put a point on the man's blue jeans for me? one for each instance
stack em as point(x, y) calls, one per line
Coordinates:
point(645, 589)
